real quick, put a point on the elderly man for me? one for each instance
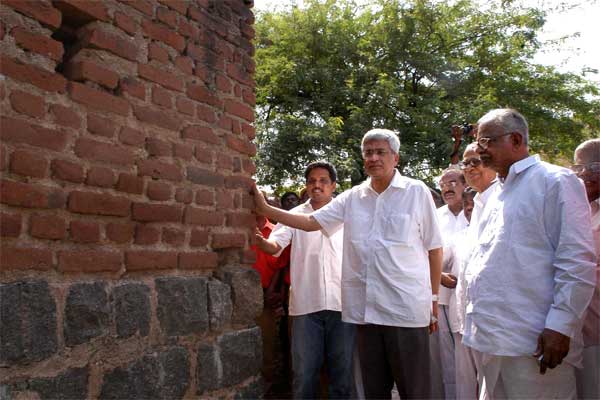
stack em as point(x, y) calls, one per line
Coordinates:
point(318, 332)
point(587, 168)
point(530, 276)
point(390, 269)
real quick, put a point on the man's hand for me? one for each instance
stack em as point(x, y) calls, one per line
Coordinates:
point(552, 347)
point(433, 325)
point(456, 132)
point(260, 203)
point(448, 280)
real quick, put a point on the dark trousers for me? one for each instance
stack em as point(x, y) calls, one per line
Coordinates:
point(391, 354)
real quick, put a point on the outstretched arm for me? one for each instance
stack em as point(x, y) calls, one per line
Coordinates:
point(299, 221)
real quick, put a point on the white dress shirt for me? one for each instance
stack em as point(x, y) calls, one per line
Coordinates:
point(533, 264)
point(315, 266)
point(450, 225)
point(387, 236)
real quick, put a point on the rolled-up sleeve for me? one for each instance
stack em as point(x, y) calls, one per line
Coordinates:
point(282, 235)
point(331, 217)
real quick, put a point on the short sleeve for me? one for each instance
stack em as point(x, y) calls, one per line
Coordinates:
point(282, 235)
point(331, 217)
point(430, 230)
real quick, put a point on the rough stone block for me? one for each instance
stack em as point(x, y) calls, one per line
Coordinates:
point(182, 305)
point(208, 371)
point(220, 307)
point(241, 355)
point(246, 292)
point(71, 384)
point(131, 304)
point(28, 321)
point(87, 313)
point(253, 390)
point(163, 375)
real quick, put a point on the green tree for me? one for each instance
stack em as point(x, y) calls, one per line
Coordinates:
point(330, 71)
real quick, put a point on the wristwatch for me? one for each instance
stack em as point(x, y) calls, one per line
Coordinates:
point(434, 297)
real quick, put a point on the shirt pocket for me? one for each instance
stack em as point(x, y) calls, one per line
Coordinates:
point(400, 228)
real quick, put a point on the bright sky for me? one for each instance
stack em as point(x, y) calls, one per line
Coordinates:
point(581, 17)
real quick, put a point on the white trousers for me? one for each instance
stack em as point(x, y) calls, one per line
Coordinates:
point(466, 372)
point(441, 345)
point(520, 378)
point(588, 378)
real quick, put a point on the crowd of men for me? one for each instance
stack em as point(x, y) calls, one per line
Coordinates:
point(493, 295)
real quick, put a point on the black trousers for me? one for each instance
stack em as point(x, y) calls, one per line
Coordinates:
point(391, 354)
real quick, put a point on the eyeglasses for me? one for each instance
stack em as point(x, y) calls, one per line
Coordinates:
point(470, 162)
point(378, 152)
point(451, 184)
point(484, 142)
point(592, 168)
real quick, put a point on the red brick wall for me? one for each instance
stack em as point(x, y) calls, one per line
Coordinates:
point(126, 134)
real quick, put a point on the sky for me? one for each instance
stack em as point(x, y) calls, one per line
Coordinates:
point(581, 18)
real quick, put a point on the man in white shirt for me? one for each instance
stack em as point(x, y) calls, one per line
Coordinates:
point(452, 221)
point(318, 332)
point(390, 270)
point(587, 168)
point(531, 274)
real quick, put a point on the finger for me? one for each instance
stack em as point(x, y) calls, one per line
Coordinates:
point(540, 347)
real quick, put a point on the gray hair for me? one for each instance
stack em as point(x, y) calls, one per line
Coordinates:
point(382, 134)
point(510, 120)
point(590, 149)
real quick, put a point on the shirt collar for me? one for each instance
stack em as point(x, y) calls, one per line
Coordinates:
point(398, 181)
point(521, 165)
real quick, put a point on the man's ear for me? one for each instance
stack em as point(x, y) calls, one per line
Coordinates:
point(397, 158)
point(517, 140)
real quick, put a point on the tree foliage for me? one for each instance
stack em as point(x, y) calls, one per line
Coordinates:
point(331, 70)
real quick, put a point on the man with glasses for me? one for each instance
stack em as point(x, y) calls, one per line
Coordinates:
point(530, 275)
point(390, 269)
point(587, 168)
point(452, 221)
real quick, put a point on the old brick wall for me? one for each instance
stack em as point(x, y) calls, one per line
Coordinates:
point(126, 143)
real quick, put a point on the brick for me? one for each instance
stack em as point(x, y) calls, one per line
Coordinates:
point(228, 240)
point(224, 161)
point(98, 203)
point(203, 95)
point(101, 126)
point(173, 237)
point(40, 44)
point(239, 73)
point(67, 171)
point(237, 164)
point(131, 136)
point(188, 29)
point(199, 132)
point(202, 176)
point(41, 11)
point(97, 36)
point(184, 64)
point(180, 6)
point(97, 99)
point(197, 216)
point(47, 227)
point(132, 87)
point(223, 83)
point(89, 261)
point(65, 116)
point(185, 106)
point(119, 233)
point(239, 109)
point(203, 155)
point(183, 151)
point(239, 220)
point(148, 260)
point(204, 72)
point(142, 6)
point(31, 74)
point(19, 131)
point(198, 260)
point(81, 12)
point(163, 78)
point(237, 91)
point(84, 231)
point(159, 191)
point(238, 182)
point(249, 97)
point(2, 32)
point(146, 235)
point(3, 158)
point(224, 199)
point(205, 197)
point(10, 225)
point(130, 183)
point(248, 257)
point(236, 128)
point(162, 97)
point(145, 212)
point(156, 52)
point(87, 70)
point(249, 131)
point(157, 147)
point(166, 16)
point(225, 123)
point(100, 151)
point(125, 23)
point(247, 202)
point(28, 163)
point(199, 238)
point(17, 258)
point(160, 170)
point(157, 117)
point(184, 195)
point(102, 177)
point(26, 103)
point(206, 113)
point(242, 146)
point(163, 34)
point(30, 195)
point(249, 166)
